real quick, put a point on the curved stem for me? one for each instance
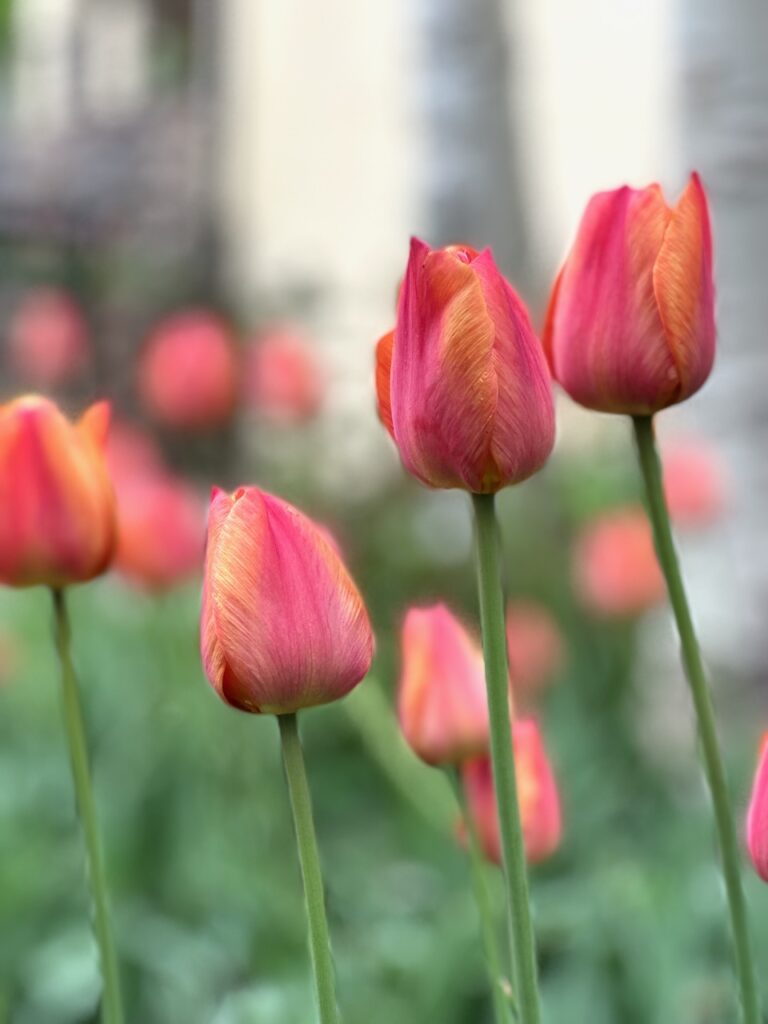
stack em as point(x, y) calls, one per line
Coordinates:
point(112, 1012)
point(710, 749)
point(499, 985)
point(497, 683)
point(309, 858)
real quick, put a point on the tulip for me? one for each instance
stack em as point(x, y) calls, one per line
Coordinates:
point(57, 513)
point(283, 380)
point(534, 646)
point(630, 327)
point(283, 626)
point(468, 400)
point(48, 338)
point(442, 703)
point(540, 813)
point(694, 485)
point(615, 568)
point(757, 815)
point(188, 371)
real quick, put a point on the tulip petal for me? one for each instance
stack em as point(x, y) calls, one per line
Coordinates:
point(291, 625)
point(684, 290)
point(757, 816)
point(383, 374)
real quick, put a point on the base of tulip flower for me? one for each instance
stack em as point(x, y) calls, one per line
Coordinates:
point(112, 1011)
point(309, 859)
point(705, 715)
point(503, 1004)
point(491, 596)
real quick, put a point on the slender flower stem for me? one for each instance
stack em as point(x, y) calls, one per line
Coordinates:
point(713, 762)
point(309, 858)
point(112, 1011)
point(499, 985)
point(497, 682)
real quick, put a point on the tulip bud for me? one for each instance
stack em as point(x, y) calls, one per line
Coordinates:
point(442, 703)
point(757, 816)
point(631, 325)
point(468, 399)
point(537, 796)
point(615, 568)
point(535, 649)
point(57, 514)
point(188, 371)
point(283, 626)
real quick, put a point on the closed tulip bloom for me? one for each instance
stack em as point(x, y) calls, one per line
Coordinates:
point(283, 625)
point(57, 512)
point(468, 399)
point(540, 813)
point(615, 569)
point(535, 649)
point(631, 326)
point(757, 815)
point(188, 371)
point(442, 703)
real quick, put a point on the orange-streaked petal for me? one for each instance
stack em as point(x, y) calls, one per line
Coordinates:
point(383, 375)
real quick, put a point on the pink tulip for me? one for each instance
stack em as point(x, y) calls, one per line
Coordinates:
point(442, 702)
point(694, 483)
point(48, 338)
point(631, 325)
point(540, 813)
point(616, 572)
point(757, 816)
point(283, 626)
point(535, 649)
point(188, 371)
point(283, 380)
point(468, 400)
point(57, 509)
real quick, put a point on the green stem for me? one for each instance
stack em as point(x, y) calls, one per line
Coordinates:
point(112, 1012)
point(499, 984)
point(309, 858)
point(694, 670)
point(497, 683)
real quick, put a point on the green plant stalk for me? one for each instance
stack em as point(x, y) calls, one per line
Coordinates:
point(112, 1011)
point(309, 859)
point(499, 986)
point(524, 969)
point(710, 748)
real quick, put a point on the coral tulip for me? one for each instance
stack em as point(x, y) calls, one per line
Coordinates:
point(540, 813)
point(188, 371)
point(535, 648)
point(283, 626)
point(631, 326)
point(757, 815)
point(693, 483)
point(57, 513)
point(442, 703)
point(468, 399)
point(616, 572)
point(48, 338)
point(283, 380)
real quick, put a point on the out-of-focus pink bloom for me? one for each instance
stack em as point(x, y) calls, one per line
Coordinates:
point(442, 702)
point(48, 338)
point(537, 794)
point(615, 569)
point(57, 508)
point(535, 648)
point(188, 371)
point(631, 324)
point(161, 531)
point(283, 625)
point(468, 400)
point(757, 816)
point(132, 452)
point(283, 379)
point(694, 483)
